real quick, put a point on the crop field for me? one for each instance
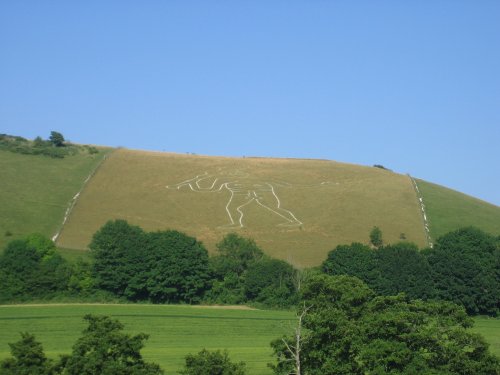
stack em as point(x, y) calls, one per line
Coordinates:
point(448, 210)
point(35, 191)
point(296, 210)
point(174, 330)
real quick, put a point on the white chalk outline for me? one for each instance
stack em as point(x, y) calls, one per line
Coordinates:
point(252, 195)
point(72, 202)
point(424, 215)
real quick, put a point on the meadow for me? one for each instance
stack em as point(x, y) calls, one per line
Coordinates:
point(296, 210)
point(35, 191)
point(174, 330)
point(448, 210)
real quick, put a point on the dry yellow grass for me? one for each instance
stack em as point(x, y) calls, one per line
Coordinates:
point(336, 203)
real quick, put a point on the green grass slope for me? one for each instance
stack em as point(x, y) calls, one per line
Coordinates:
point(35, 191)
point(174, 330)
point(296, 210)
point(448, 210)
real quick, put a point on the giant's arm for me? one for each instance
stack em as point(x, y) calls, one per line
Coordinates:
point(203, 179)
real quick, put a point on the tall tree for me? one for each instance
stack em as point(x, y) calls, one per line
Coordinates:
point(105, 349)
point(27, 358)
point(352, 331)
point(466, 269)
point(376, 237)
point(118, 253)
point(178, 267)
point(56, 138)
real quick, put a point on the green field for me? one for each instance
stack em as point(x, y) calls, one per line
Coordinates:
point(35, 191)
point(448, 210)
point(174, 330)
point(333, 203)
point(490, 329)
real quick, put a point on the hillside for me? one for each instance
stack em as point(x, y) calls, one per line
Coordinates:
point(35, 191)
point(296, 210)
point(448, 210)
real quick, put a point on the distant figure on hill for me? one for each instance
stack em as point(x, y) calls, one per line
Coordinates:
point(244, 190)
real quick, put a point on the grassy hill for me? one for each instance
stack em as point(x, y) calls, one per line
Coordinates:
point(174, 330)
point(296, 210)
point(448, 210)
point(35, 190)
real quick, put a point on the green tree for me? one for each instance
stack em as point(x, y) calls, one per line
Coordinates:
point(28, 358)
point(271, 282)
point(212, 363)
point(178, 267)
point(117, 250)
point(235, 254)
point(104, 349)
point(354, 260)
point(56, 138)
point(376, 237)
point(402, 268)
point(30, 268)
point(466, 270)
point(350, 330)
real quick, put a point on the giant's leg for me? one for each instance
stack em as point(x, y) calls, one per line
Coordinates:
point(268, 199)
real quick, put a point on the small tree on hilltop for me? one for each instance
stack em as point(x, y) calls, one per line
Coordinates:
point(56, 138)
point(376, 237)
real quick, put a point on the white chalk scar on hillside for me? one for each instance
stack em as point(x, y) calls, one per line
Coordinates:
point(244, 189)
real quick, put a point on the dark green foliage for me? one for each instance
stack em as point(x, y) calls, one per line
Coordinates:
point(105, 349)
point(466, 270)
point(235, 254)
point(388, 270)
point(165, 266)
point(242, 273)
point(32, 268)
point(349, 330)
point(355, 260)
point(402, 268)
point(56, 138)
point(117, 250)
point(271, 282)
point(52, 148)
point(212, 363)
point(28, 358)
point(178, 267)
point(376, 237)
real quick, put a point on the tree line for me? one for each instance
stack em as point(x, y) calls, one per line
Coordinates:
point(131, 264)
point(367, 309)
point(462, 267)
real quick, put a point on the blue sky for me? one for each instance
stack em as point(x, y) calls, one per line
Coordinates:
point(411, 85)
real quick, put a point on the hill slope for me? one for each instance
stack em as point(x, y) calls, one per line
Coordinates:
point(448, 210)
point(35, 191)
point(296, 210)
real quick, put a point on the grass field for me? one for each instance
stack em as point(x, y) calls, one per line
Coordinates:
point(335, 203)
point(448, 210)
point(490, 329)
point(174, 330)
point(35, 191)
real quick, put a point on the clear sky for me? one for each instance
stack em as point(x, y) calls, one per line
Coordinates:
point(411, 85)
